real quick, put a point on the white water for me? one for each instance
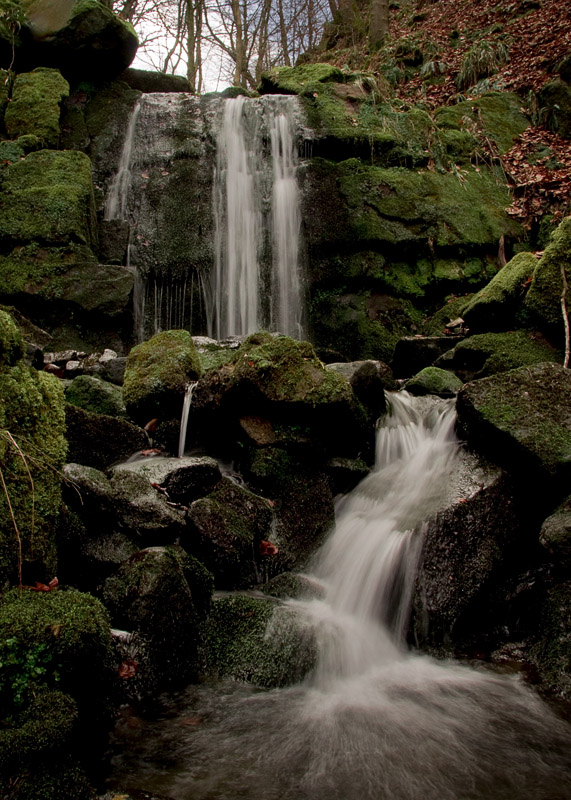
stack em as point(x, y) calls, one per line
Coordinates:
point(117, 196)
point(372, 721)
point(241, 188)
point(190, 387)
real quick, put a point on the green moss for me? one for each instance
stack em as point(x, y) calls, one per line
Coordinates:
point(11, 345)
point(47, 197)
point(432, 380)
point(402, 207)
point(495, 306)
point(497, 115)
point(74, 629)
point(255, 640)
point(157, 373)
point(93, 394)
point(488, 353)
point(300, 79)
point(32, 449)
point(35, 106)
point(36, 269)
point(436, 324)
point(543, 300)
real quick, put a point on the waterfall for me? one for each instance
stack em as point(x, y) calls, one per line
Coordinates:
point(372, 721)
point(244, 296)
point(190, 387)
point(209, 189)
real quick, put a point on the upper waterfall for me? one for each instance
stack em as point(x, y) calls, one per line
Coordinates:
point(209, 188)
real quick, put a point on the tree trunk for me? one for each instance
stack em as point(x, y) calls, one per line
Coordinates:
point(379, 26)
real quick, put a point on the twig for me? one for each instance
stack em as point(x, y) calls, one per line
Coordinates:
point(18, 537)
point(565, 318)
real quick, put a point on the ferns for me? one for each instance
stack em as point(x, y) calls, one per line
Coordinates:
point(482, 60)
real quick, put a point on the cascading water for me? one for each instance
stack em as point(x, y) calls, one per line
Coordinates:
point(190, 387)
point(372, 721)
point(209, 189)
point(244, 178)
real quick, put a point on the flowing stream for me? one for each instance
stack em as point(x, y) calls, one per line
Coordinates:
point(372, 720)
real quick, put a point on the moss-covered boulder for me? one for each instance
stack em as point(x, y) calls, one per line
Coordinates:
point(432, 380)
point(543, 300)
point(46, 198)
point(184, 479)
point(100, 440)
point(35, 105)
point(161, 593)
point(98, 396)
point(225, 531)
point(521, 419)
point(300, 79)
point(95, 43)
point(489, 353)
point(414, 353)
point(494, 307)
point(256, 640)
point(157, 374)
point(32, 450)
point(555, 102)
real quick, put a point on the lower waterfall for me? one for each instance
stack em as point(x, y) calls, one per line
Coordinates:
point(372, 721)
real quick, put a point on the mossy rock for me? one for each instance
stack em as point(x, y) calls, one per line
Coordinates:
point(35, 106)
point(100, 440)
point(11, 345)
point(69, 632)
point(437, 323)
point(486, 354)
point(162, 593)
point(93, 394)
point(494, 308)
point(225, 531)
point(497, 115)
point(156, 376)
point(32, 450)
point(35, 746)
point(543, 300)
point(432, 380)
point(521, 419)
point(300, 79)
point(257, 641)
point(47, 197)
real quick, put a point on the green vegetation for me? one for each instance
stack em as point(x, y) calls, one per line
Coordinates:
point(35, 106)
point(488, 353)
point(432, 380)
point(93, 394)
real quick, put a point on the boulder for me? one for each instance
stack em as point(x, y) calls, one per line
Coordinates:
point(99, 440)
point(183, 479)
point(521, 420)
point(157, 374)
point(162, 594)
point(95, 395)
point(414, 353)
point(146, 81)
point(555, 102)
point(225, 530)
point(433, 380)
point(368, 379)
point(466, 549)
point(486, 354)
point(96, 44)
point(551, 653)
point(494, 307)
point(543, 300)
point(258, 640)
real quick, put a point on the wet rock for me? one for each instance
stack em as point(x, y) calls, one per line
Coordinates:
point(99, 440)
point(113, 241)
point(432, 380)
point(256, 639)
point(155, 594)
point(552, 651)
point(413, 353)
point(345, 473)
point(368, 379)
point(521, 420)
point(465, 552)
point(225, 530)
point(184, 479)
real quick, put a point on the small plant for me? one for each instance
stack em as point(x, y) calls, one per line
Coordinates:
point(23, 670)
point(433, 69)
point(483, 59)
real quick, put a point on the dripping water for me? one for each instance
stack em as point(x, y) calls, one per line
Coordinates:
point(189, 391)
point(116, 201)
point(372, 721)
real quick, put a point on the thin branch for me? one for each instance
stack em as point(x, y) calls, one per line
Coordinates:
point(565, 318)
